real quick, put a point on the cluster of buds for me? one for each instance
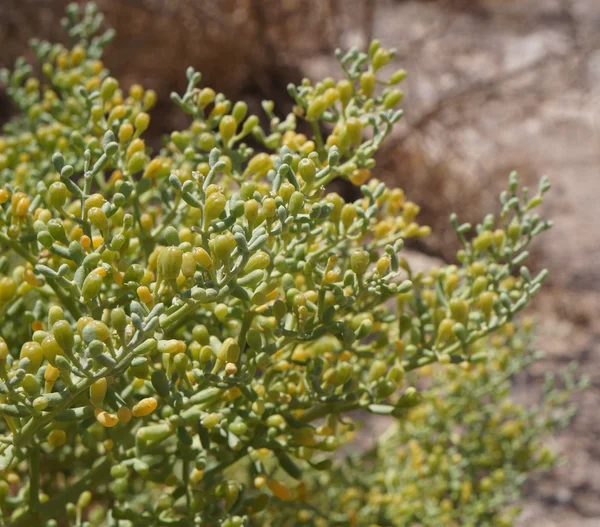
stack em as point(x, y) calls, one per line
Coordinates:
point(183, 333)
point(461, 456)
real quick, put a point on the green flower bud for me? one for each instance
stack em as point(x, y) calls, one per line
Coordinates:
point(393, 98)
point(374, 46)
point(142, 120)
point(40, 404)
point(380, 58)
point(169, 262)
point(108, 88)
point(254, 339)
point(367, 83)
point(459, 310)
point(63, 333)
point(45, 239)
point(188, 265)
point(316, 108)
point(98, 218)
point(211, 420)
point(307, 170)
point(55, 313)
point(160, 382)
point(8, 288)
point(95, 330)
point(250, 124)
point(205, 97)
point(56, 229)
point(206, 141)
point(377, 371)
point(346, 90)
point(31, 385)
point(296, 202)
point(239, 428)
point(240, 109)
point(259, 260)
point(359, 261)
point(260, 164)
point(398, 77)
point(223, 245)
point(483, 241)
point(155, 432)
point(91, 286)
point(57, 194)
point(137, 162)
point(229, 351)
point(514, 231)
point(134, 273)
point(96, 348)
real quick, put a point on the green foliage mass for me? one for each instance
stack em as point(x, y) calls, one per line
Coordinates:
point(188, 335)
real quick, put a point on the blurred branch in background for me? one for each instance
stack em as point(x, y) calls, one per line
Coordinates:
point(241, 46)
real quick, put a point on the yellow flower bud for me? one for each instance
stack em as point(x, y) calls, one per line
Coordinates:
point(382, 265)
point(106, 419)
point(125, 132)
point(144, 407)
point(124, 414)
point(51, 349)
point(279, 490)
point(51, 374)
point(118, 112)
point(144, 294)
point(360, 176)
point(142, 120)
point(8, 288)
point(32, 350)
point(202, 258)
point(57, 438)
point(155, 168)
point(98, 392)
point(188, 265)
point(215, 205)
point(172, 346)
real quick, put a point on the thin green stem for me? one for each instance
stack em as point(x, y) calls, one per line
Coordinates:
point(318, 139)
point(34, 477)
point(55, 508)
point(67, 301)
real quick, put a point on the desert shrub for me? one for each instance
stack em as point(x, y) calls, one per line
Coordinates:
point(189, 335)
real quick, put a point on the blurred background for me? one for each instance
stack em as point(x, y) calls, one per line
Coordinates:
point(494, 85)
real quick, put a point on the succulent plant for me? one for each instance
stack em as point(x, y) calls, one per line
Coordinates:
point(184, 333)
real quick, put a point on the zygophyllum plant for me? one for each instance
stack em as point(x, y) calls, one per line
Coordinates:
point(184, 333)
